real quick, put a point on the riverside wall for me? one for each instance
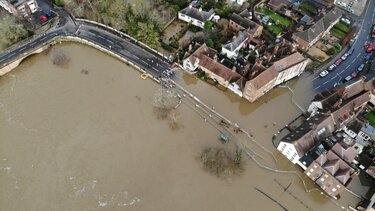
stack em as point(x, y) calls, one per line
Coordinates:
point(10, 66)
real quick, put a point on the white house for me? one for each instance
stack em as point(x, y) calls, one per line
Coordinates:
point(195, 16)
point(240, 2)
point(232, 48)
point(20, 7)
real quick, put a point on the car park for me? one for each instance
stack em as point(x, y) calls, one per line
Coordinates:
point(338, 62)
point(323, 73)
point(360, 68)
point(333, 66)
point(354, 74)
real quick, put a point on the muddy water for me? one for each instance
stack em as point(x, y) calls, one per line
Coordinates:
point(84, 137)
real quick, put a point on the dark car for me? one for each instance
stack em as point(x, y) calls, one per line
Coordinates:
point(367, 57)
point(49, 14)
point(350, 52)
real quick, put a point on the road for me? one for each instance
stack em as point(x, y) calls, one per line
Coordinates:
point(111, 40)
point(356, 59)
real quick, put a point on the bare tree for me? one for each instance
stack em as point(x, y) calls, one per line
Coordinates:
point(11, 31)
point(222, 163)
point(60, 58)
point(174, 119)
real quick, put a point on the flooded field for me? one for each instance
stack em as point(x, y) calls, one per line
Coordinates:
point(85, 137)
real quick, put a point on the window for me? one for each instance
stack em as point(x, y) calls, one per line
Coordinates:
point(338, 186)
point(334, 189)
point(321, 131)
point(322, 179)
point(311, 170)
point(308, 173)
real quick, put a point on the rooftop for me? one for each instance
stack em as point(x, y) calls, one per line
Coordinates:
point(197, 14)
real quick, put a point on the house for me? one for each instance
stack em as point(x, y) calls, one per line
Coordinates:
point(331, 172)
point(20, 7)
point(195, 16)
point(232, 48)
point(277, 5)
point(205, 58)
point(239, 2)
point(239, 23)
point(305, 39)
point(335, 110)
point(279, 72)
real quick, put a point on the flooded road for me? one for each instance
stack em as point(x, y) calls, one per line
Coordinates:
point(85, 137)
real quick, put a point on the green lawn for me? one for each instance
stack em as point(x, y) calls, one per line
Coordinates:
point(309, 7)
point(275, 29)
point(343, 26)
point(338, 33)
point(371, 118)
point(286, 22)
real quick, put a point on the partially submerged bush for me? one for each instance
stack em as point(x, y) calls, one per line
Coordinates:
point(60, 58)
point(222, 163)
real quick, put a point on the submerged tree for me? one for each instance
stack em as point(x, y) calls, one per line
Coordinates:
point(164, 101)
point(222, 163)
point(59, 58)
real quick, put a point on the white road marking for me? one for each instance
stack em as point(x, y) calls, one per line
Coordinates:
point(316, 87)
point(136, 56)
point(325, 82)
point(155, 69)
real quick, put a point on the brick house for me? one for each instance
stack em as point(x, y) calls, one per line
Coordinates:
point(279, 72)
point(305, 39)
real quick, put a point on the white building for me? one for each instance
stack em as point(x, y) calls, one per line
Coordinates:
point(20, 7)
point(195, 16)
point(232, 48)
point(240, 2)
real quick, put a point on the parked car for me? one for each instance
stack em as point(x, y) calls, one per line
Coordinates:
point(338, 62)
point(350, 52)
point(345, 56)
point(336, 84)
point(49, 14)
point(367, 57)
point(360, 68)
point(323, 73)
point(43, 18)
point(346, 20)
point(348, 78)
point(330, 68)
point(354, 74)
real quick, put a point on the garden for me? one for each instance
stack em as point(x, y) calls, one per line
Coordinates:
point(371, 118)
point(340, 30)
point(280, 20)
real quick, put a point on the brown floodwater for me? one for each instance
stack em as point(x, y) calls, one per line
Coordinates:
point(85, 137)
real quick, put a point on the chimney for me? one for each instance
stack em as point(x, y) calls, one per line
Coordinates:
point(190, 47)
point(234, 68)
point(200, 9)
point(215, 57)
point(190, 6)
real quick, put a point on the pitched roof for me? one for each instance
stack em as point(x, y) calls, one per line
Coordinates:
point(218, 68)
point(244, 22)
point(197, 13)
point(239, 40)
point(347, 154)
point(263, 78)
point(320, 26)
point(287, 62)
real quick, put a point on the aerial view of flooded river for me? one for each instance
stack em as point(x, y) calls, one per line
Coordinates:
point(85, 137)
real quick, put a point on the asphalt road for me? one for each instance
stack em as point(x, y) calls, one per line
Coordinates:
point(149, 61)
point(353, 61)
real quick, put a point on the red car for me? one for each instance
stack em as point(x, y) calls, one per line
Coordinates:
point(354, 74)
point(338, 62)
point(43, 18)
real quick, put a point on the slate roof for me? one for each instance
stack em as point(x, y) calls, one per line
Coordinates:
point(335, 166)
point(348, 154)
point(239, 40)
point(320, 26)
point(197, 14)
point(287, 62)
point(246, 23)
